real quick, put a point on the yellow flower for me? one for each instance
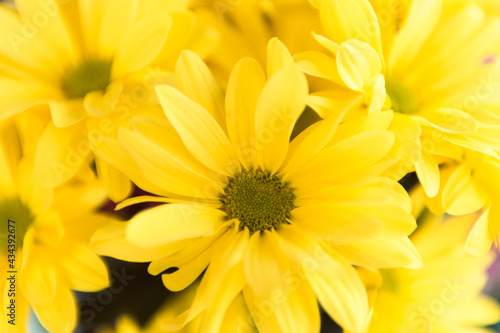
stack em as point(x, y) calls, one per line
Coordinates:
point(93, 62)
point(445, 295)
point(441, 77)
point(281, 222)
point(44, 251)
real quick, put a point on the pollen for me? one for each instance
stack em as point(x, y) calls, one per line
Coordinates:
point(93, 75)
point(403, 99)
point(260, 201)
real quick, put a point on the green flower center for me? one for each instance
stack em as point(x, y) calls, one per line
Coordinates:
point(403, 99)
point(93, 75)
point(15, 219)
point(258, 200)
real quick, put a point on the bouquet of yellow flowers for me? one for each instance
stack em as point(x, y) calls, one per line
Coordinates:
point(241, 166)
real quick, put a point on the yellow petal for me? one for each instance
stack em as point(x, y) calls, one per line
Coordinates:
point(279, 106)
point(243, 90)
point(199, 131)
point(351, 19)
point(67, 113)
point(110, 241)
point(162, 133)
point(189, 263)
point(278, 56)
point(144, 41)
point(357, 63)
point(413, 34)
point(310, 142)
point(337, 222)
point(449, 120)
point(60, 316)
point(480, 240)
point(270, 277)
point(194, 79)
point(427, 170)
point(223, 279)
point(318, 64)
point(382, 252)
point(39, 282)
point(348, 158)
point(461, 194)
point(60, 153)
point(344, 297)
point(111, 151)
point(99, 104)
point(173, 222)
point(328, 103)
point(163, 168)
point(116, 184)
point(84, 269)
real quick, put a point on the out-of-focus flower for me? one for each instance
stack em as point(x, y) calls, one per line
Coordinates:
point(445, 295)
point(281, 222)
point(93, 62)
point(245, 26)
point(441, 78)
point(44, 250)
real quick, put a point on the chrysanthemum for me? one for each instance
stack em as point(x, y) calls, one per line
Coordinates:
point(44, 250)
point(445, 295)
point(437, 63)
point(88, 60)
point(281, 222)
point(468, 187)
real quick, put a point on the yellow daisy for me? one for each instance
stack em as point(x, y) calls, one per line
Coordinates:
point(440, 77)
point(93, 62)
point(281, 222)
point(467, 187)
point(445, 295)
point(44, 241)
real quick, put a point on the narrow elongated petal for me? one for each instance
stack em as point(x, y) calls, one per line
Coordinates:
point(67, 113)
point(163, 168)
point(199, 131)
point(60, 153)
point(427, 170)
point(281, 103)
point(351, 19)
point(195, 80)
point(84, 269)
point(335, 282)
point(278, 56)
point(461, 195)
point(357, 63)
point(61, 315)
point(173, 222)
point(413, 34)
point(145, 39)
point(248, 77)
point(265, 268)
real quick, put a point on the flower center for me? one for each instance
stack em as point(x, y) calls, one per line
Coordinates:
point(90, 76)
point(258, 200)
point(15, 219)
point(403, 99)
